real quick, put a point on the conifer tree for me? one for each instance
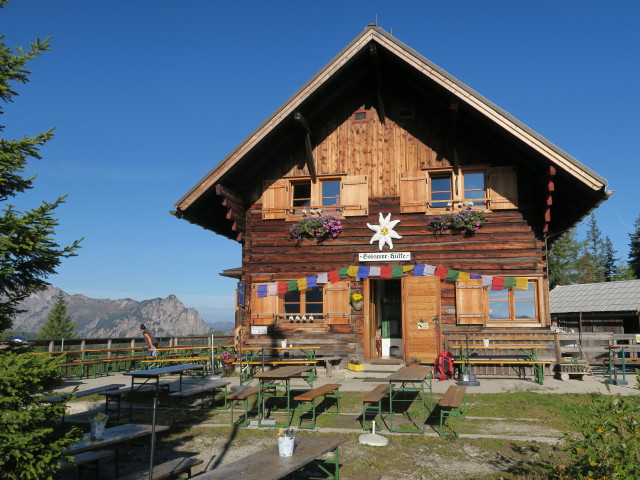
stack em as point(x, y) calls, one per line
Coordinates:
point(591, 262)
point(32, 440)
point(634, 249)
point(28, 252)
point(563, 260)
point(609, 260)
point(58, 324)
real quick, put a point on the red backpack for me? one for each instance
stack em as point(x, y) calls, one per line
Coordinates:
point(443, 366)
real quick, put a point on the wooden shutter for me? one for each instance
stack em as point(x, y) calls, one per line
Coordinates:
point(413, 192)
point(503, 188)
point(470, 302)
point(336, 303)
point(275, 199)
point(263, 309)
point(354, 195)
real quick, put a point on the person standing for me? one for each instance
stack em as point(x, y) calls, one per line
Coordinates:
point(150, 340)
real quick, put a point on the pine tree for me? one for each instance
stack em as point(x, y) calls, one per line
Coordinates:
point(591, 262)
point(634, 249)
point(28, 253)
point(32, 440)
point(58, 324)
point(609, 265)
point(563, 266)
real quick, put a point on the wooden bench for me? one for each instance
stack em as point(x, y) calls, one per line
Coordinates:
point(307, 401)
point(86, 458)
point(249, 368)
point(536, 365)
point(84, 393)
point(176, 360)
point(452, 404)
point(170, 469)
point(211, 387)
point(241, 396)
point(372, 403)
point(116, 394)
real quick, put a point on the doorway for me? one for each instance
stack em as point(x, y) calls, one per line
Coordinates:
point(386, 315)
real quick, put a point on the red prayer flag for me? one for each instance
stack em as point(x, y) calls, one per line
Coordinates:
point(385, 272)
point(282, 288)
point(334, 277)
point(497, 283)
point(441, 272)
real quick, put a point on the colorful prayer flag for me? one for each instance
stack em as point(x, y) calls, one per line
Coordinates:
point(302, 283)
point(262, 291)
point(407, 268)
point(352, 271)
point(509, 282)
point(292, 286)
point(497, 283)
point(385, 272)
point(441, 272)
point(464, 277)
point(272, 289)
point(363, 272)
point(323, 278)
point(334, 277)
point(522, 283)
point(396, 272)
point(311, 281)
point(452, 275)
point(282, 288)
point(429, 270)
point(374, 271)
point(342, 272)
point(418, 270)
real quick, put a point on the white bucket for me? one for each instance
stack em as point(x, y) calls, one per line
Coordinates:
point(285, 446)
point(485, 342)
point(283, 343)
point(97, 430)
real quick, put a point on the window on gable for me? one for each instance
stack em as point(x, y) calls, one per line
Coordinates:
point(474, 189)
point(360, 116)
point(320, 197)
point(292, 198)
point(441, 191)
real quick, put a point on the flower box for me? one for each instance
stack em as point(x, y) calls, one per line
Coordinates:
point(356, 367)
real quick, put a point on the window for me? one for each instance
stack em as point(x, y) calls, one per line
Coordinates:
point(321, 197)
point(510, 304)
point(441, 193)
point(438, 190)
point(303, 302)
point(474, 189)
point(478, 305)
point(291, 198)
point(360, 116)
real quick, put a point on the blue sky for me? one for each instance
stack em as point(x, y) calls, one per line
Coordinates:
point(147, 96)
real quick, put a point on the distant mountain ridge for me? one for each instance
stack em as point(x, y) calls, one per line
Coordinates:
point(104, 318)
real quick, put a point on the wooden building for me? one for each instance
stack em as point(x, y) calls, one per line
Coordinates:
point(611, 307)
point(383, 137)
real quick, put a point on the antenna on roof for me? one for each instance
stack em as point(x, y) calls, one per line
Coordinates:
point(376, 19)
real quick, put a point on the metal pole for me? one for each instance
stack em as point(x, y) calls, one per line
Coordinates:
point(239, 340)
point(153, 434)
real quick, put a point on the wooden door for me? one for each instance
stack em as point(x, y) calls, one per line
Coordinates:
point(420, 318)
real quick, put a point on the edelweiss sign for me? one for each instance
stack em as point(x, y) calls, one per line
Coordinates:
point(384, 257)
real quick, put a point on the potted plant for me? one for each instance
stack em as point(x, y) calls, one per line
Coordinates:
point(355, 365)
point(466, 221)
point(320, 227)
point(227, 359)
point(98, 424)
point(357, 300)
point(413, 362)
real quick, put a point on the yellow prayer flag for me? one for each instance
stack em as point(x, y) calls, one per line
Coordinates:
point(522, 283)
point(352, 271)
point(302, 283)
point(464, 277)
point(407, 268)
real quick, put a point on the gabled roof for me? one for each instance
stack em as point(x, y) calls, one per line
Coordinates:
point(621, 296)
point(401, 54)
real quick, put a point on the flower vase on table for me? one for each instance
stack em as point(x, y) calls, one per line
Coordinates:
point(98, 424)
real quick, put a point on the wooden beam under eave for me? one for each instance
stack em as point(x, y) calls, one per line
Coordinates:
point(300, 120)
point(373, 52)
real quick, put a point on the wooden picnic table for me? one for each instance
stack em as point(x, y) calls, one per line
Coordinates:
point(268, 465)
point(152, 376)
point(267, 387)
point(114, 436)
point(409, 379)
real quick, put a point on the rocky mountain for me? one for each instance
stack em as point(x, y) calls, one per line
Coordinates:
point(104, 318)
